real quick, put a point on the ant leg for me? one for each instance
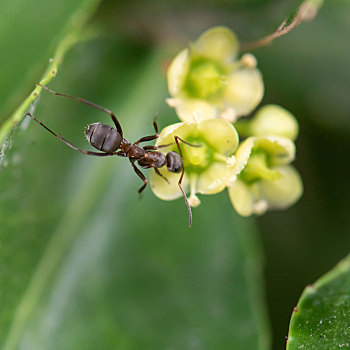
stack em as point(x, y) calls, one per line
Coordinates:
point(162, 146)
point(99, 154)
point(161, 175)
point(167, 145)
point(121, 154)
point(177, 137)
point(146, 148)
point(141, 176)
point(152, 137)
point(187, 143)
point(155, 125)
point(180, 181)
point(114, 118)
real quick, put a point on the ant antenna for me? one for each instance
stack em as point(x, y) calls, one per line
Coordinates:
point(177, 138)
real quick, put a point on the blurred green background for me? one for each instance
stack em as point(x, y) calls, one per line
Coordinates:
point(83, 262)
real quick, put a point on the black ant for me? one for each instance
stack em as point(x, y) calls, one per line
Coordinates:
point(111, 142)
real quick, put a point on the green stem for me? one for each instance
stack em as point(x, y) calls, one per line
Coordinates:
point(73, 34)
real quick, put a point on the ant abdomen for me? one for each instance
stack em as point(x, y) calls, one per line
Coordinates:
point(103, 137)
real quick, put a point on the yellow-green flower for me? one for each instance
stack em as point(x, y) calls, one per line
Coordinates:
point(262, 177)
point(269, 120)
point(206, 80)
point(208, 168)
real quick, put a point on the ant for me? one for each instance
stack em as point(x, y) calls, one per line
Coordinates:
point(110, 142)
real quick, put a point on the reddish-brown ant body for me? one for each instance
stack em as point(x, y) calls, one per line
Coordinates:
point(111, 142)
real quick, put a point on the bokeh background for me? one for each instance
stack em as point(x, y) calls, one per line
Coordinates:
point(83, 262)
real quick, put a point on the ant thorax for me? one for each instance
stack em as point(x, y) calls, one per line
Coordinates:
point(135, 152)
point(152, 160)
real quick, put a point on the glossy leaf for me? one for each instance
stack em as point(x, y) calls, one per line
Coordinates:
point(321, 320)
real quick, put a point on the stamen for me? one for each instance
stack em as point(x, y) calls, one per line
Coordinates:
point(229, 114)
point(249, 60)
point(260, 207)
point(193, 199)
point(172, 102)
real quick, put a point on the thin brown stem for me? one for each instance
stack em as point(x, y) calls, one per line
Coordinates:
point(305, 12)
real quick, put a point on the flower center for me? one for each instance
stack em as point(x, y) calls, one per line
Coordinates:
point(196, 158)
point(257, 168)
point(204, 79)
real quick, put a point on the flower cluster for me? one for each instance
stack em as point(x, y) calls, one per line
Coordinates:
point(211, 88)
point(208, 79)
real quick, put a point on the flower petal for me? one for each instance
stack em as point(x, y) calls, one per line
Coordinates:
point(284, 192)
point(241, 198)
point(220, 135)
point(193, 110)
point(214, 179)
point(219, 44)
point(274, 120)
point(177, 72)
point(165, 190)
point(242, 157)
point(244, 90)
point(167, 134)
point(264, 195)
point(280, 150)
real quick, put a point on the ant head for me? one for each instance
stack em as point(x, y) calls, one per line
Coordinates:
point(174, 162)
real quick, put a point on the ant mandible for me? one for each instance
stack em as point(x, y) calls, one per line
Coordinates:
point(111, 142)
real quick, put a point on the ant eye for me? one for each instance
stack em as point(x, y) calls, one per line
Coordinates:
point(174, 162)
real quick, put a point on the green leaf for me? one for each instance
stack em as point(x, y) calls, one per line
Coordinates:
point(85, 263)
point(321, 319)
